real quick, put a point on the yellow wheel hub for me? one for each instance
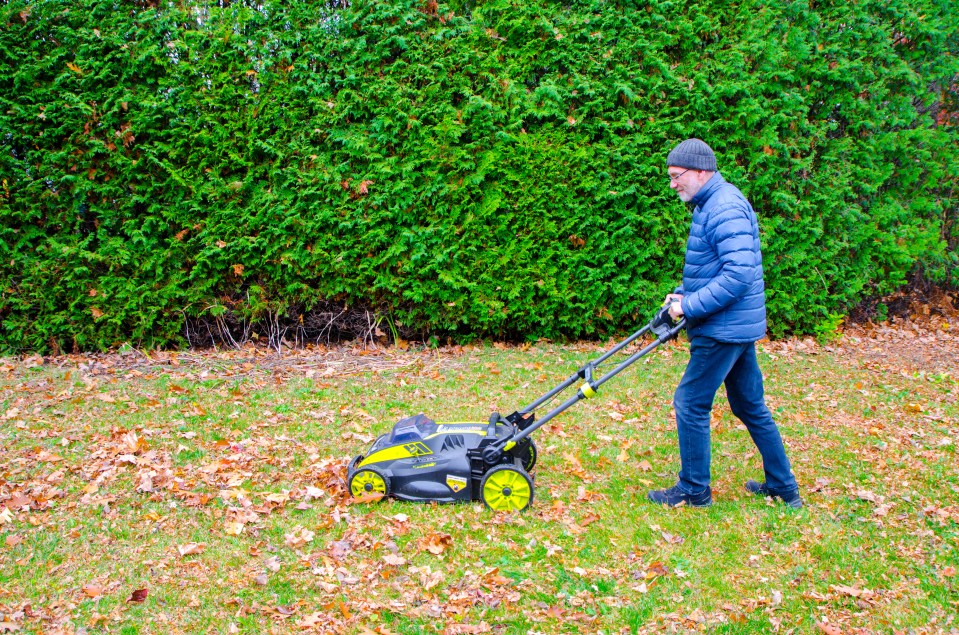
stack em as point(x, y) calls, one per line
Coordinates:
point(507, 490)
point(367, 482)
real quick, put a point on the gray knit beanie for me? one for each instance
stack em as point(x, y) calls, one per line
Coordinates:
point(693, 154)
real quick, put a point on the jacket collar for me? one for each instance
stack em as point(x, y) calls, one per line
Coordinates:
point(708, 189)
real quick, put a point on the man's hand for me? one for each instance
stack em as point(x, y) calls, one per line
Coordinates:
point(675, 307)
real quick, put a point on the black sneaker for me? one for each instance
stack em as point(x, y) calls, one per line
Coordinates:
point(789, 496)
point(674, 497)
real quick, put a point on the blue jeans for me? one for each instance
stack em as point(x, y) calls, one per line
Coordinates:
point(711, 364)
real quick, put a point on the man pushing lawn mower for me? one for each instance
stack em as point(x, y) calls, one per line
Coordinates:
point(723, 302)
point(722, 305)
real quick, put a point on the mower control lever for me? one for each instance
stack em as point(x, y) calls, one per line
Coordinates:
point(586, 372)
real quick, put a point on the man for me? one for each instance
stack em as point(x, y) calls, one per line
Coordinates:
point(723, 299)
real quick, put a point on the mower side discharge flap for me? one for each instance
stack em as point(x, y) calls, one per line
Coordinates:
point(425, 461)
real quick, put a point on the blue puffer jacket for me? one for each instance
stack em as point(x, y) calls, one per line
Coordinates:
point(723, 292)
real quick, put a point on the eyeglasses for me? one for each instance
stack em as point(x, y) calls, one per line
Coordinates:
point(676, 178)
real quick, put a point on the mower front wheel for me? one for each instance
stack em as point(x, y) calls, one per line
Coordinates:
point(368, 481)
point(507, 488)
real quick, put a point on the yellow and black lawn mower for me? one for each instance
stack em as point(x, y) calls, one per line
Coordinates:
point(427, 461)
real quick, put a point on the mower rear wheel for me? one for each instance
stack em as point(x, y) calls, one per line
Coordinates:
point(529, 457)
point(367, 481)
point(507, 488)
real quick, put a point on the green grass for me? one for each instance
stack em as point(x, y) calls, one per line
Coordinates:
point(114, 478)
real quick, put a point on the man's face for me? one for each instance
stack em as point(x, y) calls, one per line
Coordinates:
point(686, 182)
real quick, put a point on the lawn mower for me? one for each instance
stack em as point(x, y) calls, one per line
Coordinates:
point(426, 461)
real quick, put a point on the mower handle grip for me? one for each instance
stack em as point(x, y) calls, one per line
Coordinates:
point(663, 323)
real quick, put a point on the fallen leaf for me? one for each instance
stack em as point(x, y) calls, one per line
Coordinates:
point(92, 590)
point(298, 537)
point(132, 443)
point(138, 596)
point(394, 560)
point(191, 548)
point(233, 528)
point(339, 549)
point(311, 621)
point(851, 591)
point(5, 516)
point(828, 629)
point(280, 498)
point(272, 563)
point(656, 568)
point(467, 629)
point(48, 457)
point(435, 543)
point(675, 539)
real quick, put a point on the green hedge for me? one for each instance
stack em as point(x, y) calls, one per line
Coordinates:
point(478, 169)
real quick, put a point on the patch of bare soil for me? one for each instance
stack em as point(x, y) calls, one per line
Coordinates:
point(922, 334)
point(248, 361)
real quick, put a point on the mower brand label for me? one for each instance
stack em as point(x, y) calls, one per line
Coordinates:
point(455, 483)
point(417, 449)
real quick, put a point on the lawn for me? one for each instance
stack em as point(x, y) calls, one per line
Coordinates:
point(204, 492)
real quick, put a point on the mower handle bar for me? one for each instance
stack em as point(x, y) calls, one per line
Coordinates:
point(664, 328)
point(586, 372)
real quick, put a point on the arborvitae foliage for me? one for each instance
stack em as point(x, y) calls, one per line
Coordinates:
point(471, 169)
